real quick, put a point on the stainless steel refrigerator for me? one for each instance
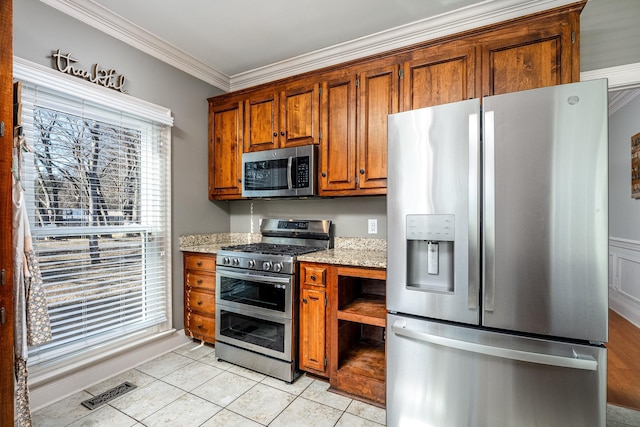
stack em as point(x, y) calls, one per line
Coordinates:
point(498, 260)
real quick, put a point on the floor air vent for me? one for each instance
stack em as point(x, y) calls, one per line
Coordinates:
point(108, 395)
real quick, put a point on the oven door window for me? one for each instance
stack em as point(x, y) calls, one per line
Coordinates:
point(269, 293)
point(255, 333)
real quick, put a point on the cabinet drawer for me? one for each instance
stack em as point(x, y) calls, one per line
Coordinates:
point(201, 325)
point(205, 281)
point(200, 262)
point(314, 275)
point(201, 301)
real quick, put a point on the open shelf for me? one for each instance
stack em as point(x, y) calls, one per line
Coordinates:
point(367, 309)
point(365, 358)
point(358, 349)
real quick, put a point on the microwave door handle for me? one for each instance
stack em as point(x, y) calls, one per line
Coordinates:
point(290, 173)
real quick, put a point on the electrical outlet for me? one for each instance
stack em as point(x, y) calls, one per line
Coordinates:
point(373, 226)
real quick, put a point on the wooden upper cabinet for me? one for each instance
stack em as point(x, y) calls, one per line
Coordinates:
point(338, 145)
point(286, 118)
point(439, 75)
point(300, 116)
point(377, 99)
point(261, 122)
point(354, 130)
point(344, 108)
point(225, 150)
point(541, 52)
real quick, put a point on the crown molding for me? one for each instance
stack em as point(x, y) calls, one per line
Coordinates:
point(485, 13)
point(623, 80)
point(475, 16)
point(100, 18)
point(619, 99)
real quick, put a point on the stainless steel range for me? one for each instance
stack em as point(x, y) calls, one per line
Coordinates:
point(256, 296)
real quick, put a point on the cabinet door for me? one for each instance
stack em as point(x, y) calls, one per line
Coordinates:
point(378, 97)
point(225, 150)
point(261, 122)
point(439, 75)
point(299, 116)
point(543, 53)
point(338, 144)
point(312, 330)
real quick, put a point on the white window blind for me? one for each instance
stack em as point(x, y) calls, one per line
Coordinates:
point(97, 190)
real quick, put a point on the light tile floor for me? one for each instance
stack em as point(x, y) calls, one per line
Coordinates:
point(189, 387)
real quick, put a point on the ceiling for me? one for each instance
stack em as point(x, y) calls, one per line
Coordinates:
point(242, 43)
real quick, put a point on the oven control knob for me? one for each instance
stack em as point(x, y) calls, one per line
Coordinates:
point(226, 260)
point(252, 263)
point(235, 261)
point(277, 267)
point(267, 265)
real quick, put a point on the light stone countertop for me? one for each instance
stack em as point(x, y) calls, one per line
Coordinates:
point(212, 243)
point(350, 251)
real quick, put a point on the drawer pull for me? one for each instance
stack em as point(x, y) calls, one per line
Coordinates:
point(199, 281)
point(313, 277)
point(199, 302)
point(304, 300)
point(199, 326)
point(199, 263)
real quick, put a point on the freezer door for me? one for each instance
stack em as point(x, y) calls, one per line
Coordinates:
point(433, 212)
point(444, 375)
point(545, 211)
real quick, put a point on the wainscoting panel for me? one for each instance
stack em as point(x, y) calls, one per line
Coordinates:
point(624, 278)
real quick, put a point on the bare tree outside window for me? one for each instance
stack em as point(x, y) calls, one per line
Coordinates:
point(87, 198)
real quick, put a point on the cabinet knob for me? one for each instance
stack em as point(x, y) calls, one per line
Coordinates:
point(199, 263)
point(199, 326)
point(313, 277)
point(239, 180)
point(199, 302)
point(304, 300)
point(282, 133)
point(199, 281)
point(361, 171)
point(275, 134)
point(324, 174)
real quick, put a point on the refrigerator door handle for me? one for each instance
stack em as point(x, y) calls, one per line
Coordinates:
point(488, 248)
point(474, 215)
point(583, 362)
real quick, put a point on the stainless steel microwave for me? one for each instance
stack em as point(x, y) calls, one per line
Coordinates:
point(283, 172)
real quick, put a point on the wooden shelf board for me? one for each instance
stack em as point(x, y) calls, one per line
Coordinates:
point(368, 309)
point(366, 358)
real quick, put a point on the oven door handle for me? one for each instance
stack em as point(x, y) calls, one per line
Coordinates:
point(254, 277)
point(289, 173)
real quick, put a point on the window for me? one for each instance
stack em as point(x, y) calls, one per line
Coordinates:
point(97, 191)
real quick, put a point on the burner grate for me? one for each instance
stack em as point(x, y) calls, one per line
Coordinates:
point(272, 249)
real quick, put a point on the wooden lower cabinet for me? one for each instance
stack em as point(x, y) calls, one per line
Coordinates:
point(313, 342)
point(346, 330)
point(200, 296)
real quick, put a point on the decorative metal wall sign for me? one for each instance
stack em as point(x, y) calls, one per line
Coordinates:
point(103, 77)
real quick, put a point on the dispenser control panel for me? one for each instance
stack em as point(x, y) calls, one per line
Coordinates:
point(431, 227)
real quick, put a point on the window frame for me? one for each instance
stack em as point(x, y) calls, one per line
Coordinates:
point(41, 76)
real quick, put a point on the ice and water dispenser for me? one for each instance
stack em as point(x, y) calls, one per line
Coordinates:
point(430, 244)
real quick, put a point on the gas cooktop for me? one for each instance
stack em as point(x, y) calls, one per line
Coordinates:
point(272, 249)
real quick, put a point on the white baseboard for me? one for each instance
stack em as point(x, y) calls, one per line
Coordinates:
point(624, 278)
point(45, 392)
